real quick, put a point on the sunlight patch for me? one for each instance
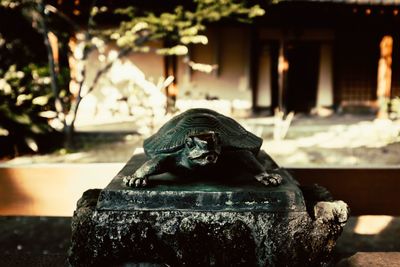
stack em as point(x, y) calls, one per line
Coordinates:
point(372, 225)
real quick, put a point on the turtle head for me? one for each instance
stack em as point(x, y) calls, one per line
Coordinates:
point(202, 149)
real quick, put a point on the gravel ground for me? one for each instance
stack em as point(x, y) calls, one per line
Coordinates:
point(310, 141)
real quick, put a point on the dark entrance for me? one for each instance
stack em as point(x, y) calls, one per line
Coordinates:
point(302, 77)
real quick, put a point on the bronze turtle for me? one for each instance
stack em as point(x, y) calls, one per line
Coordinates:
point(196, 139)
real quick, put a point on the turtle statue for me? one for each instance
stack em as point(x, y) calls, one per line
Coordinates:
point(197, 139)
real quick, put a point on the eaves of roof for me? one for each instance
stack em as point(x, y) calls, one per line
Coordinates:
point(354, 2)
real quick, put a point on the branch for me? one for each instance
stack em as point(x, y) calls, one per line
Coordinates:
point(56, 11)
point(123, 52)
point(50, 57)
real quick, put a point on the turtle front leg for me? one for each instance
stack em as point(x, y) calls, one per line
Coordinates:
point(268, 178)
point(151, 167)
point(253, 166)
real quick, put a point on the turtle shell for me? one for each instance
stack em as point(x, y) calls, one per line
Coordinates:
point(171, 136)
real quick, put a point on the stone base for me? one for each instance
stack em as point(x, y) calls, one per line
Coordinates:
point(287, 230)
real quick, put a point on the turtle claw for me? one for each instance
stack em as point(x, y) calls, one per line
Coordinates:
point(268, 179)
point(133, 181)
point(140, 182)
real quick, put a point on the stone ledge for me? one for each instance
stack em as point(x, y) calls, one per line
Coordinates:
point(372, 259)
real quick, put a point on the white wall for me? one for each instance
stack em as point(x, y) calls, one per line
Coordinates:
point(232, 55)
point(229, 47)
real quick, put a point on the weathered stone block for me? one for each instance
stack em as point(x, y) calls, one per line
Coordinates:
point(204, 223)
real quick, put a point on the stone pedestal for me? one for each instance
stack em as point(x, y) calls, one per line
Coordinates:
point(206, 222)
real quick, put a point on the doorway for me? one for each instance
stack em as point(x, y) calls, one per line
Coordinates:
point(302, 77)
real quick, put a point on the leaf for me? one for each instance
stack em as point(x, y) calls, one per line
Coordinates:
point(197, 39)
point(140, 26)
point(190, 31)
point(36, 129)
point(178, 50)
point(41, 100)
point(31, 144)
point(22, 98)
point(256, 11)
point(4, 132)
point(207, 68)
point(22, 119)
point(49, 114)
point(5, 87)
point(58, 105)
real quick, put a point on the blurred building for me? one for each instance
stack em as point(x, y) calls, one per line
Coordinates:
point(300, 56)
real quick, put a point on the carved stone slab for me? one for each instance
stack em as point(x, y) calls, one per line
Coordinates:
point(234, 192)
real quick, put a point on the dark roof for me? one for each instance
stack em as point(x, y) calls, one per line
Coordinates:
point(355, 2)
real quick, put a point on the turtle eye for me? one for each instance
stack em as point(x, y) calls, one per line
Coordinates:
point(189, 142)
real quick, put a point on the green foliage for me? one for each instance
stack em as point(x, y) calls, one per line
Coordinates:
point(24, 96)
point(20, 44)
point(10, 3)
point(181, 26)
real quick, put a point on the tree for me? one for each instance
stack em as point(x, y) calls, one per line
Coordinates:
point(25, 96)
point(176, 25)
point(179, 27)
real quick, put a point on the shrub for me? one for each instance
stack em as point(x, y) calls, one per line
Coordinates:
point(25, 106)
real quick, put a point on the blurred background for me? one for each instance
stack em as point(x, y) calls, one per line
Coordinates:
point(83, 83)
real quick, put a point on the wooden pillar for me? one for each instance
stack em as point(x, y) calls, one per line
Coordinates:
point(283, 67)
point(325, 78)
point(383, 91)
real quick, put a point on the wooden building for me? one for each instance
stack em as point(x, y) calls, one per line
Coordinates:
point(299, 55)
